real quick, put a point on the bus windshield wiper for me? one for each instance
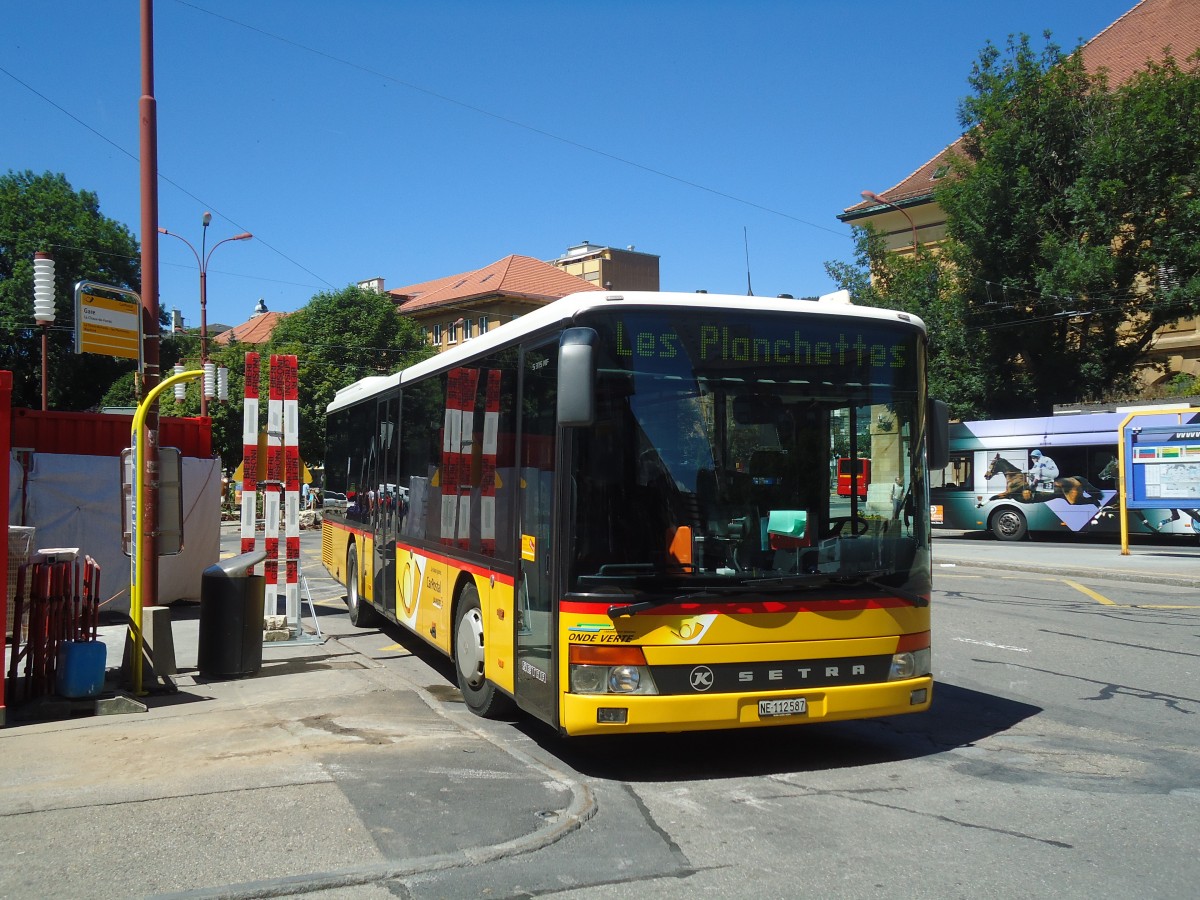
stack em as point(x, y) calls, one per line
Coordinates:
point(631, 609)
point(871, 579)
point(721, 591)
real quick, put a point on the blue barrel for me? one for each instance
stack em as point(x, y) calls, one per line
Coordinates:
point(80, 670)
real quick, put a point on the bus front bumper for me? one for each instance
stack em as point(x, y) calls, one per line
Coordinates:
point(588, 714)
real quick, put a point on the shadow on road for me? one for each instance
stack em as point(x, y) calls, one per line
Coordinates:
point(959, 717)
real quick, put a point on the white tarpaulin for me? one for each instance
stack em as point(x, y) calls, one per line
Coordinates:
point(75, 501)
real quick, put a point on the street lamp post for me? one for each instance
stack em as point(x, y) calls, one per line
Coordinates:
point(202, 259)
point(875, 198)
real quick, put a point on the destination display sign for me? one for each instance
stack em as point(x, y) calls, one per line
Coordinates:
point(763, 345)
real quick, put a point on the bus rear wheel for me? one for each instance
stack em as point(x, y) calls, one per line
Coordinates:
point(470, 655)
point(1009, 524)
point(362, 614)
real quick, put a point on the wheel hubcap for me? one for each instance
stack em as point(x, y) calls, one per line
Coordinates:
point(469, 647)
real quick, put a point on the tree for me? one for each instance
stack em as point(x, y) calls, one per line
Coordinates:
point(1072, 216)
point(925, 285)
point(43, 213)
point(340, 337)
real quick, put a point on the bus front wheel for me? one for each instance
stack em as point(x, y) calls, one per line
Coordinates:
point(481, 696)
point(362, 614)
point(1009, 525)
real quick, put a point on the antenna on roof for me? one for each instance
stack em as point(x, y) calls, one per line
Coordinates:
point(746, 241)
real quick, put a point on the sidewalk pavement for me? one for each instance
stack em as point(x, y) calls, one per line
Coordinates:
point(1175, 562)
point(326, 770)
point(331, 767)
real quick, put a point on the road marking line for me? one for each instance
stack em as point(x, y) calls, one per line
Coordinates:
point(993, 646)
point(1099, 598)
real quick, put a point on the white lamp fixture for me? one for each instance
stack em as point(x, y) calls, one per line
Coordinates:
point(43, 313)
point(43, 288)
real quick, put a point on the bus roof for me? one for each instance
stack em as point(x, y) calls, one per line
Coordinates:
point(565, 310)
point(1048, 431)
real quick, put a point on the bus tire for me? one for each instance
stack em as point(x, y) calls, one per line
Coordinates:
point(481, 696)
point(362, 613)
point(1008, 524)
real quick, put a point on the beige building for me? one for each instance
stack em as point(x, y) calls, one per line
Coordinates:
point(610, 268)
point(907, 213)
point(459, 307)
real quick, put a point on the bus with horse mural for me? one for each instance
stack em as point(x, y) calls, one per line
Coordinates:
point(1044, 474)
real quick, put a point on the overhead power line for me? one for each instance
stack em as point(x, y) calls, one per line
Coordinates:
point(162, 177)
point(516, 123)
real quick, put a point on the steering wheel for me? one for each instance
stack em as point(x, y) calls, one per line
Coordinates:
point(858, 525)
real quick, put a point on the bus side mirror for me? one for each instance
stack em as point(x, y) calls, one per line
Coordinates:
point(937, 428)
point(577, 377)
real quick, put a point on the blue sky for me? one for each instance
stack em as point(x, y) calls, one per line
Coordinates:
point(413, 140)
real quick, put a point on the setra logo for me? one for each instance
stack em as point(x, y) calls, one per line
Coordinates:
point(701, 678)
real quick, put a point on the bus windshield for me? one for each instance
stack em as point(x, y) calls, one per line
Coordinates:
point(713, 461)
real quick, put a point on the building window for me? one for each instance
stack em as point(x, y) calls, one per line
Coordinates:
point(483, 324)
point(453, 333)
point(468, 327)
point(437, 335)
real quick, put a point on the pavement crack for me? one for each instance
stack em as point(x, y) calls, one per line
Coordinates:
point(857, 796)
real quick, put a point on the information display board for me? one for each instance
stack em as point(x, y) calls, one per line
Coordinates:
point(1162, 467)
point(108, 325)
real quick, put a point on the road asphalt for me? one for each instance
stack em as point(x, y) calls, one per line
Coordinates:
point(329, 768)
point(1163, 561)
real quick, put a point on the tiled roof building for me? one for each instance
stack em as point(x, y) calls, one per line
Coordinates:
point(256, 330)
point(462, 306)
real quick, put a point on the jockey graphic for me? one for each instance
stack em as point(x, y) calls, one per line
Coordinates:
point(1042, 472)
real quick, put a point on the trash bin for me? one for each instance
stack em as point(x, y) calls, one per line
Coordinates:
point(231, 618)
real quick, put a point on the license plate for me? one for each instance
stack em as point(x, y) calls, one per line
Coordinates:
point(784, 706)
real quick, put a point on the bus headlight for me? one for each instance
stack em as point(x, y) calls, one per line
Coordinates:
point(912, 658)
point(589, 679)
point(609, 670)
point(624, 679)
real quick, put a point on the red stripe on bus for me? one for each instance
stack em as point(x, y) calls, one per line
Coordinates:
point(483, 571)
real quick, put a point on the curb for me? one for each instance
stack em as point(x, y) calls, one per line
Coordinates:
point(1039, 569)
point(581, 808)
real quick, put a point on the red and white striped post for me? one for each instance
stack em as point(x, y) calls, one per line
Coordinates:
point(274, 485)
point(291, 464)
point(250, 456)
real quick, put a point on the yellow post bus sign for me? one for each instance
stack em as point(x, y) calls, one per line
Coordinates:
point(111, 326)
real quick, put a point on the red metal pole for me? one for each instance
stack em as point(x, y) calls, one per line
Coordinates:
point(148, 114)
point(45, 366)
point(5, 441)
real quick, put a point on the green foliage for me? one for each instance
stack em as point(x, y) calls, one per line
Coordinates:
point(926, 286)
point(338, 338)
point(44, 213)
point(1069, 202)
point(1071, 214)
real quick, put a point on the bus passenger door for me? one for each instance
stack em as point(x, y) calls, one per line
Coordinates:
point(536, 677)
point(384, 501)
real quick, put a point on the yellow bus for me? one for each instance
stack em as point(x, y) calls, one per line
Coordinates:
point(615, 513)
